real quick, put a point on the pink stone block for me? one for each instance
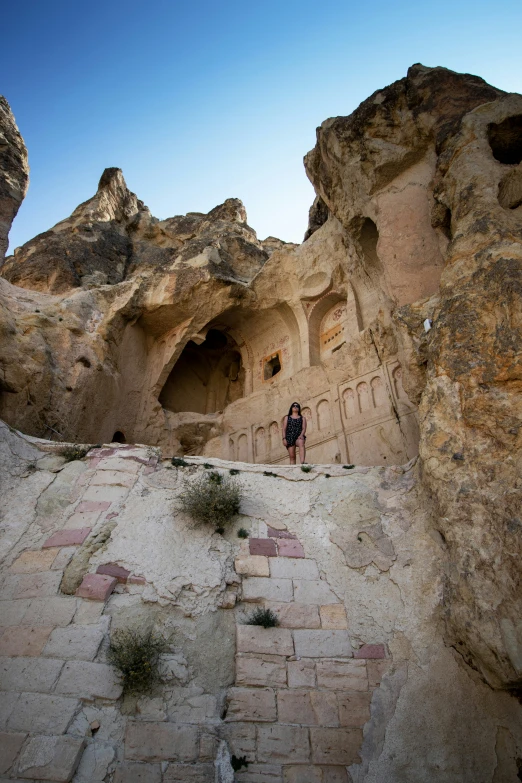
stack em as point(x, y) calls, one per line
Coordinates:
point(263, 546)
point(370, 651)
point(111, 569)
point(136, 580)
point(68, 537)
point(273, 533)
point(289, 547)
point(97, 587)
point(92, 505)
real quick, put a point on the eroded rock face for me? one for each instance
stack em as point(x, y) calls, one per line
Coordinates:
point(14, 172)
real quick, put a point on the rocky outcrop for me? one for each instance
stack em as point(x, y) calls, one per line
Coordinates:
point(14, 172)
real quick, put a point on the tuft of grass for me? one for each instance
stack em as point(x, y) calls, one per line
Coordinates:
point(242, 533)
point(137, 656)
point(306, 468)
point(207, 465)
point(265, 617)
point(237, 762)
point(212, 500)
point(234, 472)
point(327, 475)
point(179, 462)
point(72, 453)
point(269, 473)
point(348, 467)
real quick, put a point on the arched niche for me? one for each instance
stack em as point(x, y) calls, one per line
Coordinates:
point(207, 377)
point(332, 322)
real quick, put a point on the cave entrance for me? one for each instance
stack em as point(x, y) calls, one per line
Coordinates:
point(206, 378)
point(505, 140)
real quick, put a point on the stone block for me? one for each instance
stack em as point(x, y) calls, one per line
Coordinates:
point(133, 772)
point(97, 587)
point(76, 642)
point(376, 670)
point(251, 704)
point(50, 758)
point(196, 709)
point(7, 704)
point(335, 746)
point(314, 591)
point(88, 612)
point(136, 580)
point(342, 675)
point(262, 546)
point(63, 557)
point(95, 762)
point(160, 742)
point(24, 640)
point(293, 615)
point(89, 681)
point(82, 519)
point(290, 547)
point(252, 565)
point(320, 644)
point(55, 610)
point(313, 774)
point(324, 707)
point(68, 537)
point(241, 739)
point(41, 713)
point(208, 746)
point(354, 709)
point(301, 674)
point(294, 707)
point(13, 612)
point(290, 568)
point(32, 561)
point(10, 745)
point(276, 533)
point(371, 651)
point(105, 494)
point(285, 744)
point(255, 639)
point(260, 670)
point(257, 588)
point(113, 478)
point(189, 773)
point(333, 617)
point(39, 585)
point(92, 506)
point(111, 569)
point(260, 773)
point(29, 674)
point(118, 463)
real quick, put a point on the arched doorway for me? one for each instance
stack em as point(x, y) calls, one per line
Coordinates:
point(206, 378)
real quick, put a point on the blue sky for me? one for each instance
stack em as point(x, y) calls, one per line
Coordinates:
point(202, 101)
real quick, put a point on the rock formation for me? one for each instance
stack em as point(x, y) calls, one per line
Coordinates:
point(397, 323)
point(14, 172)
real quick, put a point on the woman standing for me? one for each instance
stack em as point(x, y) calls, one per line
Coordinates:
point(294, 432)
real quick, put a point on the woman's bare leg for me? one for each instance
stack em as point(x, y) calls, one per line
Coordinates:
point(291, 454)
point(302, 449)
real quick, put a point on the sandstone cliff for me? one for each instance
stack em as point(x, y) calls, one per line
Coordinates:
point(14, 172)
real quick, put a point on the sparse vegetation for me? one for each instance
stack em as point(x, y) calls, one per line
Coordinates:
point(137, 656)
point(207, 465)
point(265, 617)
point(212, 499)
point(327, 475)
point(348, 467)
point(237, 762)
point(72, 453)
point(234, 472)
point(179, 462)
point(269, 473)
point(242, 533)
point(306, 468)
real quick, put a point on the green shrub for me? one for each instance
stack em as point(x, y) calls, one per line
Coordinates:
point(72, 453)
point(306, 468)
point(207, 465)
point(179, 462)
point(265, 617)
point(234, 472)
point(348, 467)
point(212, 499)
point(137, 656)
point(269, 473)
point(242, 533)
point(237, 762)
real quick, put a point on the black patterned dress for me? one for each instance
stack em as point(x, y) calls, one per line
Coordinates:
point(294, 427)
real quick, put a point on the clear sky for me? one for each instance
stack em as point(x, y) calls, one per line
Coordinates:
point(201, 101)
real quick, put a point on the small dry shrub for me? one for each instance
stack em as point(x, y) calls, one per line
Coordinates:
point(179, 462)
point(212, 499)
point(265, 617)
point(243, 533)
point(137, 655)
point(306, 468)
point(72, 453)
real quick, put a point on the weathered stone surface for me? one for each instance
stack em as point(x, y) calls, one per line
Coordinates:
point(342, 675)
point(32, 561)
point(251, 704)
point(29, 674)
point(335, 746)
point(370, 651)
point(97, 587)
point(288, 547)
point(301, 674)
point(315, 774)
point(241, 738)
point(50, 758)
point(319, 644)
point(76, 642)
point(24, 640)
point(354, 708)
point(132, 772)
point(189, 773)
point(260, 773)
point(39, 713)
point(263, 546)
point(10, 745)
point(333, 617)
point(308, 591)
point(89, 680)
point(252, 565)
point(259, 588)
point(54, 610)
point(260, 670)
point(160, 742)
point(69, 537)
point(308, 708)
point(255, 639)
point(281, 567)
point(35, 585)
point(14, 173)
point(286, 744)
point(294, 615)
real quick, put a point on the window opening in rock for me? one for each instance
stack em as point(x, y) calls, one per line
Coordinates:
point(505, 140)
point(206, 378)
point(272, 366)
point(118, 437)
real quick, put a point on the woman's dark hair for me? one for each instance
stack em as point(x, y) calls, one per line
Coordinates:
point(292, 405)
